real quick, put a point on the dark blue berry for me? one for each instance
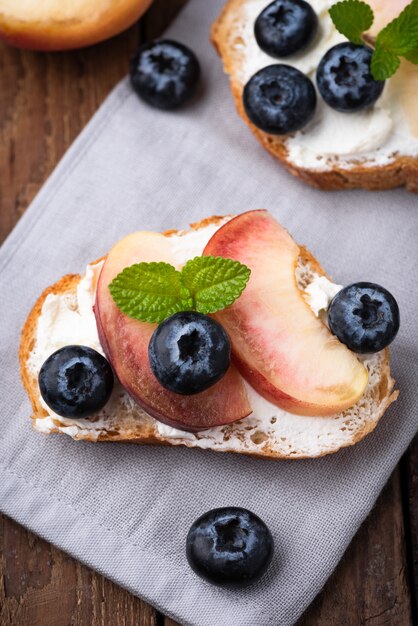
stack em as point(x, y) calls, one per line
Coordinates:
point(189, 352)
point(164, 73)
point(345, 80)
point(229, 547)
point(285, 27)
point(76, 381)
point(279, 99)
point(365, 317)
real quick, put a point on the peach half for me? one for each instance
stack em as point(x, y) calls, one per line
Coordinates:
point(64, 24)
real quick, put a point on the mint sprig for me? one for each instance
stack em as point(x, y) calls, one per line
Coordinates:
point(399, 38)
point(151, 292)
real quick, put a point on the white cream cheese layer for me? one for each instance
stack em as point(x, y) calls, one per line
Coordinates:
point(320, 293)
point(375, 136)
point(67, 320)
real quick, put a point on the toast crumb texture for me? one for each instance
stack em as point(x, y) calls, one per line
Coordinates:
point(284, 436)
point(402, 171)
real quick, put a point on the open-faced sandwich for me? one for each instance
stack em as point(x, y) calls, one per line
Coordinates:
point(328, 88)
point(227, 337)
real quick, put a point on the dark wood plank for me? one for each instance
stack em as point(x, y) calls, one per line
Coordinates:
point(42, 586)
point(409, 467)
point(45, 100)
point(159, 15)
point(370, 586)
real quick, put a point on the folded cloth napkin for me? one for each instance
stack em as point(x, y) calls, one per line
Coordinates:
point(125, 510)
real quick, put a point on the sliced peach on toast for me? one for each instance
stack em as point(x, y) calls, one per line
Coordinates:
point(125, 342)
point(286, 353)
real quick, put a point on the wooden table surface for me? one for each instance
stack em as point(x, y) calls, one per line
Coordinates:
point(45, 101)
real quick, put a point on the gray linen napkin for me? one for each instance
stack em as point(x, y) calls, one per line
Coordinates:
point(125, 510)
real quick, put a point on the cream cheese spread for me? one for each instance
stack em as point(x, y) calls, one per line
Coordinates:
point(320, 293)
point(69, 318)
point(375, 136)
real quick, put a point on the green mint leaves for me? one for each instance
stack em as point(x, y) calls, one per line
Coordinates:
point(352, 18)
point(399, 38)
point(151, 292)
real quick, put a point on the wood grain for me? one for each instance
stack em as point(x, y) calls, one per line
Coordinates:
point(370, 585)
point(45, 101)
point(409, 468)
point(42, 586)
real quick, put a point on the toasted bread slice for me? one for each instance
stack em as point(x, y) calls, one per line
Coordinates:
point(230, 35)
point(281, 436)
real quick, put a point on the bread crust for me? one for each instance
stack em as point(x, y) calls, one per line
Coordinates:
point(403, 171)
point(147, 434)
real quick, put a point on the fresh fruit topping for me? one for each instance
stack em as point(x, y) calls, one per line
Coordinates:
point(76, 381)
point(285, 27)
point(151, 292)
point(344, 78)
point(398, 38)
point(279, 99)
point(286, 353)
point(229, 547)
point(164, 73)
point(126, 341)
point(365, 317)
point(189, 352)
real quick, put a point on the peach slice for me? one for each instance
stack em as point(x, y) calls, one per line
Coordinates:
point(405, 84)
point(63, 24)
point(125, 342)
point(287, 354)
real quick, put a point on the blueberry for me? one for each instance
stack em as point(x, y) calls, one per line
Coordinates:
point(229, 547)
point(345, 80)
point(365, 317)
point(285, 27)
point(189, 352)
point(76, 381)
point(279, 99)
point(164, 73)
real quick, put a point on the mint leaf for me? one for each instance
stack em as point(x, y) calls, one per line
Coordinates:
point(150, 292)
point(214, 282)
point(401, 35)
point(398, 38)
point(384, 63)
point(352, 18)
point(412, 56)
